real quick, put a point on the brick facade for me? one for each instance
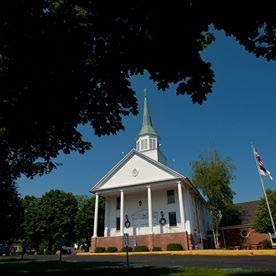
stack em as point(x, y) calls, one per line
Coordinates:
point(153, 240)
point(233, 238)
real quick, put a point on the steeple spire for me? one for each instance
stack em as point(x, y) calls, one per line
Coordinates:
point(148, 140)
point(147, 127)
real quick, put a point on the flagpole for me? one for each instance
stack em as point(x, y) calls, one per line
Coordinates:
point(266, 199)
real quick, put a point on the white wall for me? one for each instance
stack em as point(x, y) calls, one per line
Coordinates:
point(146, 172)
point(139, 214)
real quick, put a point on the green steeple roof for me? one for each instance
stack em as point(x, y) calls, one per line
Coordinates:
point(147, 127)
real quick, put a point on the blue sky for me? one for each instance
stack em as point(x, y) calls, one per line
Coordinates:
point(240, 110)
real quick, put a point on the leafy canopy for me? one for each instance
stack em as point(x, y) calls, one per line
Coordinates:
point(212, 174)
point(58, 213)
point(262, 222)
point(65, 63)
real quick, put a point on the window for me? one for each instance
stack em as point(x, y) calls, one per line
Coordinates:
point(170, 196)
point(152, 143)
point(137, 146)
point(144, 144)
point(118, 203)
point(118, 224)
point(172, 218)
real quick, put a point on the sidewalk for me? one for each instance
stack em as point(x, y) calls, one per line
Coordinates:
point(267, 252)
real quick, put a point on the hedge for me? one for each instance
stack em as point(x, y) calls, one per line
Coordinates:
point(156, 248)
point(129, 249)
point(174, 247)
point(112, 249)
point(141, 248)
point(99, 249)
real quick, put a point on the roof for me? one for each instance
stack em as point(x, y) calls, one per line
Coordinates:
point(177, 175)
point(133, 152)
point(247, 211)
point(147, 127)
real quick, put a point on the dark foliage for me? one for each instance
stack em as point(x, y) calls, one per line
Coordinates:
point(11, 212)
point(65, 63)
point(141, 248)
point(99, 249)
point(174, 247)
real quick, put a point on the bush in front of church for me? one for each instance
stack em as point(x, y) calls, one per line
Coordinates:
point(124, 249)
point(156, 248)
point(99, 249)
point(112, 249)
point(141, 248)
point(174, 247)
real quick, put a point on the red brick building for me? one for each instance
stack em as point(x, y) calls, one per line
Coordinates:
point(243, 236)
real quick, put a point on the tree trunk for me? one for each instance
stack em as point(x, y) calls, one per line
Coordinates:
point(215, 235)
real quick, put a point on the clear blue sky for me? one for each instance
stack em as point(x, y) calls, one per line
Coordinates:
point(240, 110)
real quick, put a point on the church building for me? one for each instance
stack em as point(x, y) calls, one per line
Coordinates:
point(148, 200)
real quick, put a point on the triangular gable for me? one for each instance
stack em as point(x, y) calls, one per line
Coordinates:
point(135, 168)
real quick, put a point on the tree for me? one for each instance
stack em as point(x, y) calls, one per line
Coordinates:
point(57, 217)
point(11, 211)
point(84, 220)
point(213, 174)
point(262, 222)
point(32, 223)
point(230, 215)
point(71, 61)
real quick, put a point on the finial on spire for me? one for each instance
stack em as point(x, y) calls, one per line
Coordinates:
point(145, 92)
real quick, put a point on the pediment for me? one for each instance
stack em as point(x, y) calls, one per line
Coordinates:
point(136, 168)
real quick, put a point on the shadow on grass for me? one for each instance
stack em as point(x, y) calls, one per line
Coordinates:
point(38, 267)
point(32, 267)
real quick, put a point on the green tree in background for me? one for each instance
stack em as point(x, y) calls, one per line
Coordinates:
point(212, 174)
point(58, 211)
point(32, 223)
point(11, 211)
point(230, 215)
point(262, 222)
point(84, 221)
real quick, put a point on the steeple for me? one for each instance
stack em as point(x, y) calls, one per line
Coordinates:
point(147, 127)
point(148, 139)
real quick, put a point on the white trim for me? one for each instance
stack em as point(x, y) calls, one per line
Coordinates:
point(150, 210)
point(96, 216)
point(122, 213)
point(181, 207)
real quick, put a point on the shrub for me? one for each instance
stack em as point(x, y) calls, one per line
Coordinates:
point(99, 249)
point(174, 247)
point(266, 243)
point(141, 248)
point(124, 249)
point(112, 249)
point(156, 248)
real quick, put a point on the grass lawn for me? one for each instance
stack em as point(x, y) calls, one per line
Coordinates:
point(33, 267)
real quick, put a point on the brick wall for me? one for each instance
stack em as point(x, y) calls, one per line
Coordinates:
point(106, 242)
point(233, 238)
point(150, 241)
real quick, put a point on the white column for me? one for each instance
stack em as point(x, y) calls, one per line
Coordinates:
point(187, 208)
point(96, 215)
point(150, 210)
point(181, 208)
point(122, 214)
point(106, 217)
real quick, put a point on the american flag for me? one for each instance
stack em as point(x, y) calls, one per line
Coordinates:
point(262, 169)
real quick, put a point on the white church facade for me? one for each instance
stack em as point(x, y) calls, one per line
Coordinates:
point(154, 204)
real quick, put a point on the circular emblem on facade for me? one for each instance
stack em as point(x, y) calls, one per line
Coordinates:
point(244, 233)
point(134, 172)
